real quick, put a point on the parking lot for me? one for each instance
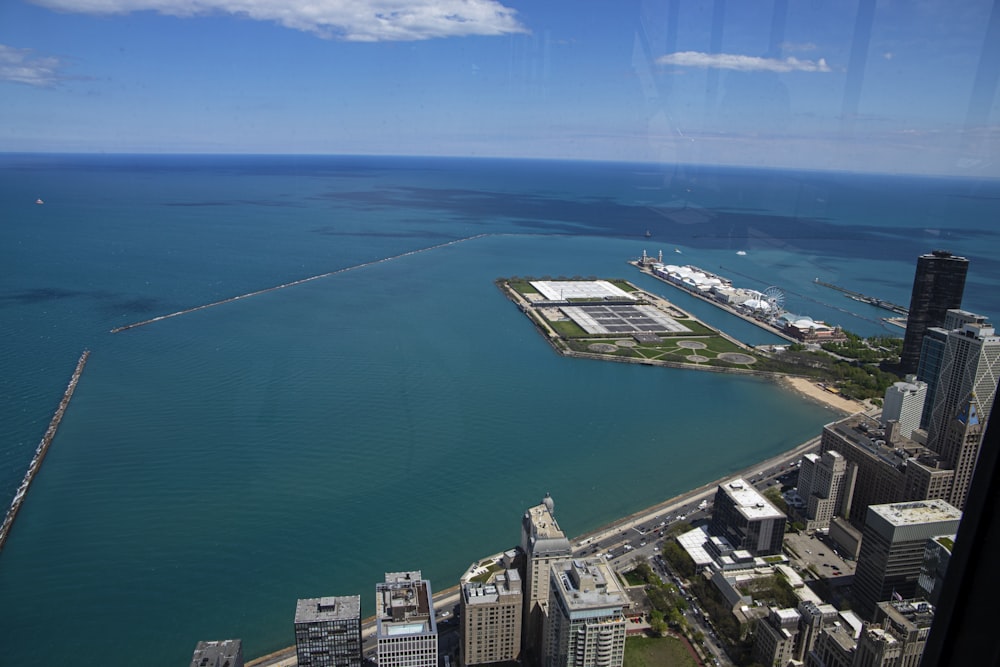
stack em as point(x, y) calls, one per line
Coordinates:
point(817, 555)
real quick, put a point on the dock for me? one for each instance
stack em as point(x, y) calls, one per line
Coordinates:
point(41, 450)
point(864, 298)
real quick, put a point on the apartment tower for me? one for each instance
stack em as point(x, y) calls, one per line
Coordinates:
point(405, 627)
point(585, 626)
point(328, 631)
point(491, 619)
point(543, 543)
point(938, 285)
point(224, 653)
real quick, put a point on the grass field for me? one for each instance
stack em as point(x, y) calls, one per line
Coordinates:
point(657, 652)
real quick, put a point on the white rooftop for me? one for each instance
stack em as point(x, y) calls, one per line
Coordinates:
point(559, 290)
point(917, 512)
point(750, 503)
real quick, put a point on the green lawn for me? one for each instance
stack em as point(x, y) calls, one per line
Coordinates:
point(657, 652)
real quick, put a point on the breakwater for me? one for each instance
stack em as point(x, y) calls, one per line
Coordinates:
point(42, 450)
point(294, 283)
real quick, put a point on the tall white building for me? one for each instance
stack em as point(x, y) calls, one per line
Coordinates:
point(904, 404)
point(405, 627)
point(586, 621)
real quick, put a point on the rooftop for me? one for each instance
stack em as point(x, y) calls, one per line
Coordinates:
point(588, 584)
point(311, 610)
point(916, 512)
point(748, 502)
point(222, 653)
point(403, 604)
point(501, 585)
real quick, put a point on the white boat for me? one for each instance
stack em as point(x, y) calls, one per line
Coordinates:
point(39, 201)
point(741, 252)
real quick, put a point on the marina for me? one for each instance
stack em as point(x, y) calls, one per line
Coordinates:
point(41, 450)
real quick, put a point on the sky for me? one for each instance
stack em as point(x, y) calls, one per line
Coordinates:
point(890, 86)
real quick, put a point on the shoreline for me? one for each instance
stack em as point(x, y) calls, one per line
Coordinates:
point(810, 389)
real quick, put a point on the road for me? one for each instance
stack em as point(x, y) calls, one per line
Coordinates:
point(641, 531)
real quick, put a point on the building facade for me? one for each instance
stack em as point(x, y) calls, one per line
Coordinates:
point(224, 653)
point(585, 626)
point(938, 285)
point(328, 631)
point(825, 487)
point(491, 614)
point(898, 635)
point(904, 404)
point(543, 543)
point(405, 625)
point(747, 519)
point(892, 550)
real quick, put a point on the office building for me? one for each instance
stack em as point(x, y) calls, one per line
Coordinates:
point(970, 366)
point(543, 543)
point(825, 487)
point(491, 619)
point(904, 405)
point(585, 626)
point(892, 549)
point(898, 635)
point(747, 519)
point(328, 631)
point(224, 653)
point(405, 626)
point(938, 285)
point(883, 467)
point(932, 354)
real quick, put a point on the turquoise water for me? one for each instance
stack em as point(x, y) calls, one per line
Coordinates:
point(214, 467)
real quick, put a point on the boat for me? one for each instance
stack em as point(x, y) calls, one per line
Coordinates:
point(741, 252)
point(677, 250)
point(648, 233)
point(39, 201)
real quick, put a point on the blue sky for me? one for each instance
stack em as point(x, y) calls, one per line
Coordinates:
point(886, 85)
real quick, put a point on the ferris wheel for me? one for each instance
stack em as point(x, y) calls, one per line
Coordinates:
point(774, 298)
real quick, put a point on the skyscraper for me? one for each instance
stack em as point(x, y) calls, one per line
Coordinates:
point(543, 543)
point(892, 549)
point(825, 487)
point(586, 622)
point(970, 366)
point(328, 631)
point(405, 626)
point(904, 404)
point(938, 285)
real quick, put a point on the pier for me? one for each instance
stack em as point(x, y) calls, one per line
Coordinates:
point(294, 283)
point(41, 450)
point(864, 298)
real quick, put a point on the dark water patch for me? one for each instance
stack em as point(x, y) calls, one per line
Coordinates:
point(35, 295)
point(409, 234)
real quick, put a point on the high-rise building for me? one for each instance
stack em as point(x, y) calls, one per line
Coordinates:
point(932, 354)
point(747, 519)
point(904, 404)
point(959, 447)
point(543, 543)
point(938, 285)
point(897, 636)
point(883, 467)
point(328, 631)
point(825, 487)
point(224, 653)
point(491, 619)
point(405, 626)
point(892, 549)
point(585, 626)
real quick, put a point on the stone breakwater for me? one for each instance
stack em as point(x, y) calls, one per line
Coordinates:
point(41, 450)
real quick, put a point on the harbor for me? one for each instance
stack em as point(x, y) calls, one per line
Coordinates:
point(864, 298)
point(763, 307)
point(41, 450)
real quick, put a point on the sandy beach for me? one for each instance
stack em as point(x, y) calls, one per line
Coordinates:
point(809, 388)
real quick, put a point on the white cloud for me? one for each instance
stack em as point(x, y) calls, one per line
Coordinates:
point(23, 66)
point(350, 20)
point(741, 63)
